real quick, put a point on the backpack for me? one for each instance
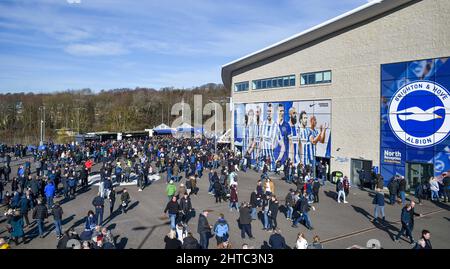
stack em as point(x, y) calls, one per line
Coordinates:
point(118, 170)
point(222, 229)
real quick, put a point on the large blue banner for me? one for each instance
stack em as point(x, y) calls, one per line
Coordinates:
point(298, 131)
point(415, 116)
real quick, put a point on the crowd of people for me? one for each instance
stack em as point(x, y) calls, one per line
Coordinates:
point(49, 176)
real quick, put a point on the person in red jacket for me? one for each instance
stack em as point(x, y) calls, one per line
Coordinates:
point(233, 198)
point(88, 164)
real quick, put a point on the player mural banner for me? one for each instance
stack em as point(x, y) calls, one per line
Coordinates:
point(298, 130)
point(415, 116)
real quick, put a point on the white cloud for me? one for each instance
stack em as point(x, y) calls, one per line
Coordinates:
point(96, 49)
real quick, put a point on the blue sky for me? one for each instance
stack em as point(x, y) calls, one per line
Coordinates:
point(54, 45)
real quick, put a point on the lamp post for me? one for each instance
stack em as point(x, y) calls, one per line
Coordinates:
point(215, 126)
point(42, 123)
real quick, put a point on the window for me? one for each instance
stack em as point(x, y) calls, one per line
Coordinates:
point(241, 86)
point(315, 78)
point(270, 83)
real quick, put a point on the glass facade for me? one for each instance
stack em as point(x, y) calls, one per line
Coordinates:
point(241, 86)
point(278, 82)
point(315, 78)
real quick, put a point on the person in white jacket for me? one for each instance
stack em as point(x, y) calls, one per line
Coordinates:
point(301, 242)
point(434, 187)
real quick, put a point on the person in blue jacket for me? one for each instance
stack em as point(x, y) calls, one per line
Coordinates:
point(90, 223)
point(378, 201)
point(49, 193)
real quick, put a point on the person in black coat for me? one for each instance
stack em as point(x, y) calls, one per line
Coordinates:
point(217, 191)
point(84, 175)
point(277, 241)
point(189, 242)
point(40, 213)
point(171, 241)
point(172, 208)
point(273, 212)
point(186, 208)
point(406, 224)
point(245, 220)
point(57, 213)
point(254, 202)
point(99, 204)
point(393, 189)
point(315, 190)
point(426, 235)
point(204, 229)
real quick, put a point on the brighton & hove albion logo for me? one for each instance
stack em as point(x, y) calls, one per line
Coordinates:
point(417, 114)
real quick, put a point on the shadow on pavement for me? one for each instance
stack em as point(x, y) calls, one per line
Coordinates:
point(331, 194)
point(363, 212)
point(133, 205)
point(152, 229)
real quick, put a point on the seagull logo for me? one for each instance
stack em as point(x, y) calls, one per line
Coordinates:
point(417, 114)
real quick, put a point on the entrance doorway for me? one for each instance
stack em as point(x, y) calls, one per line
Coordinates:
point(323, 165)
point(361, 172)
point(417, 172)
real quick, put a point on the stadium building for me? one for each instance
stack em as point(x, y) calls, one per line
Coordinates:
point(367, 90)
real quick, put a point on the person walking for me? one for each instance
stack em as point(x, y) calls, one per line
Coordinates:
point(378, 201)
point(340, 191)
point(17, 232)
point(49, 193)
point(57, 213)
point(125, 200)
point(315, 190)
point(406, 218)
point(25, 205)
point(434, 187)
point(346, 183)
point(254, 203)
point(393, 190)
point(301, 242)
point(172, 209)
point(204, 229)
point(419, 192)
point(99, 204)
point(265, 208)
point(221, 229)
point(273, 212)
point(40, 213)
point(186, 208)
point(171, 189)
point(302, 207)
point(217, 191)
point(112, 200)
point(289, 203)
point(234, 202)
point(245, 220)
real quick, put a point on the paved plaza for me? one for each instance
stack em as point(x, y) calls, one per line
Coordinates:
point(338, 225)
